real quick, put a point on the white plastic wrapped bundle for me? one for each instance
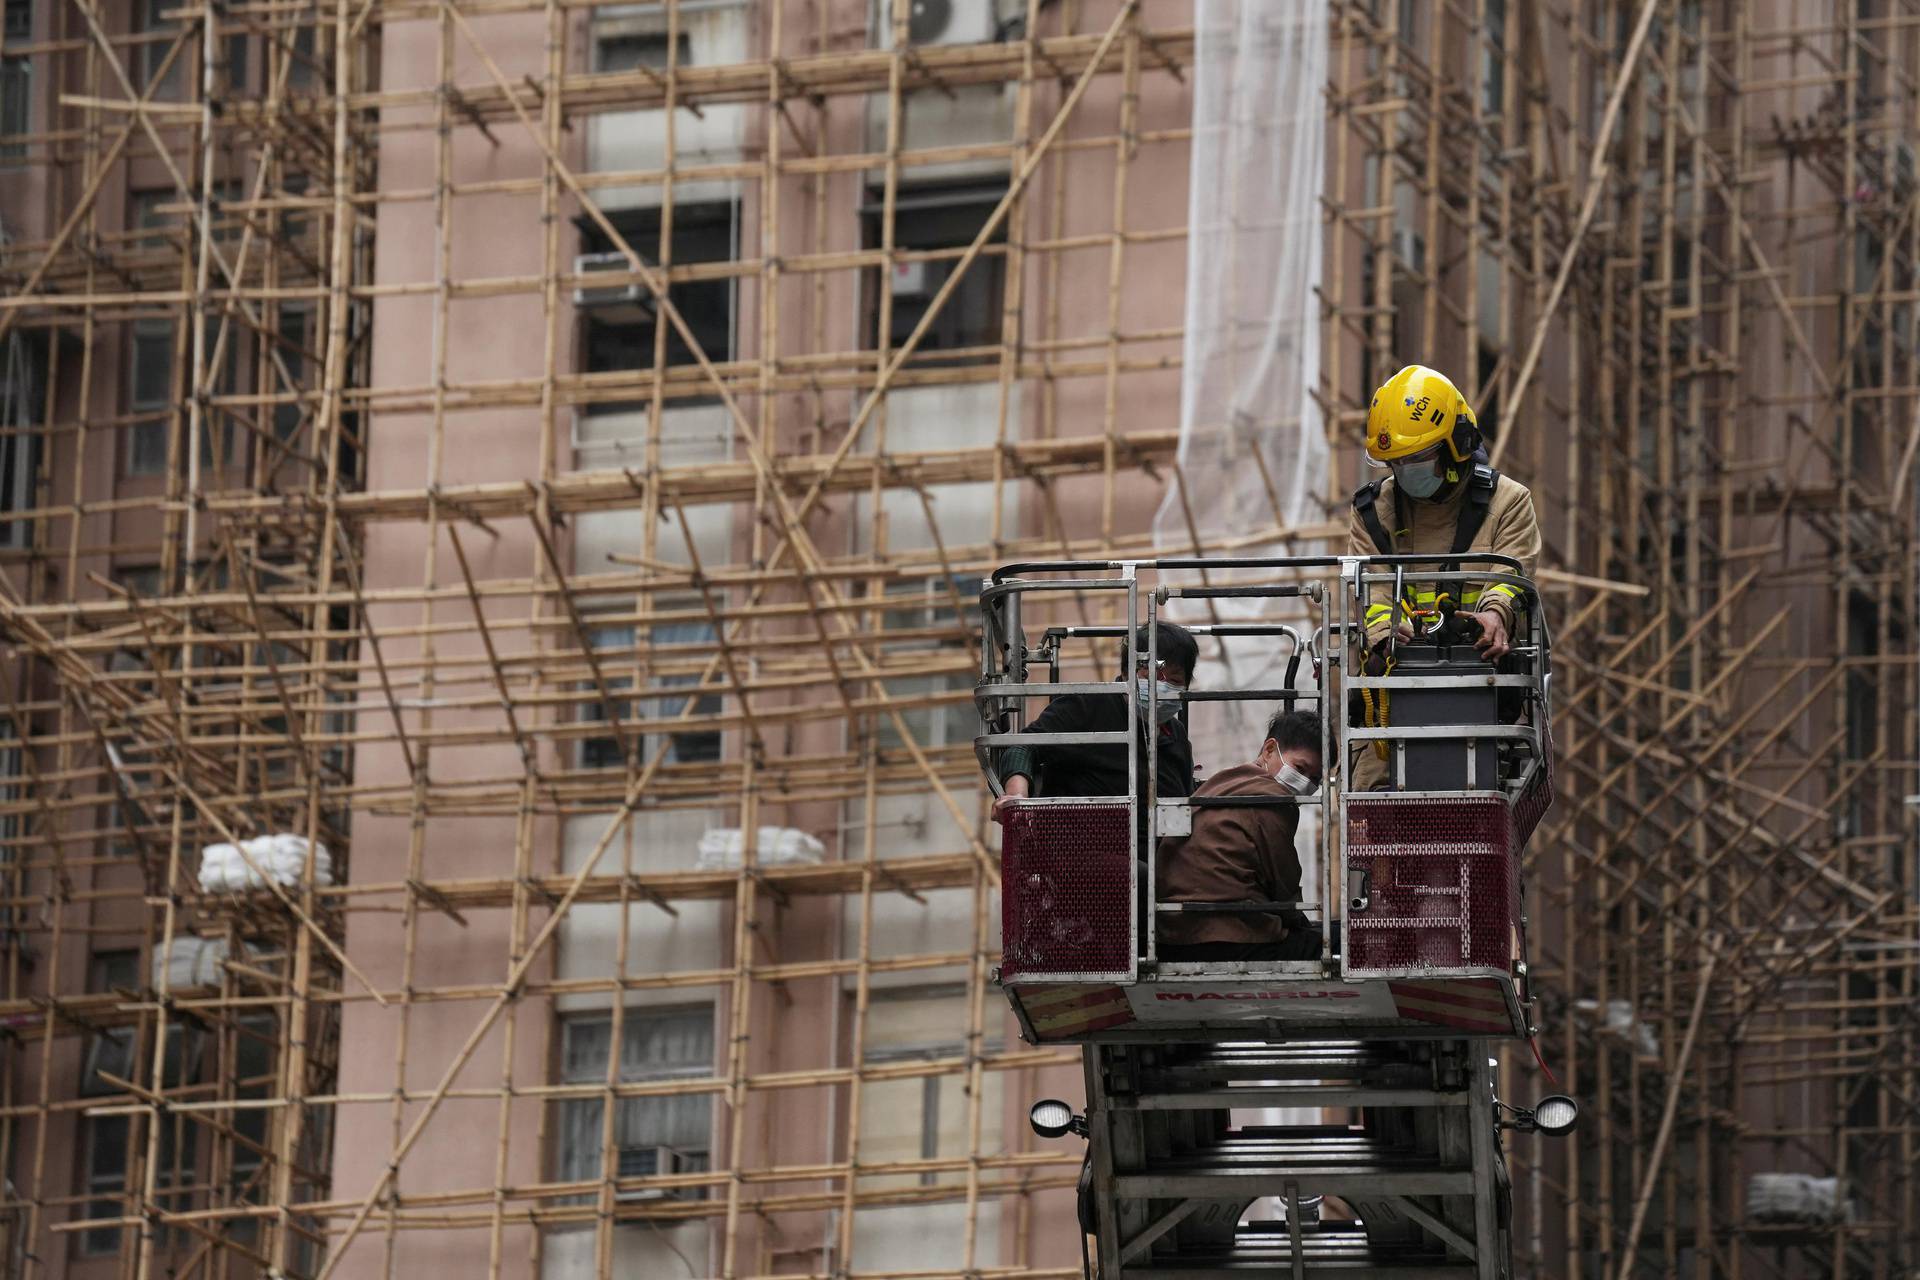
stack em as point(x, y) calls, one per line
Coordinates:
point(1796, 1197)
point(282, 856)
point(192, 961)
point(724, 849)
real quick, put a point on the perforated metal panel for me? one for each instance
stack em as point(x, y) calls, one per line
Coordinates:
point(1443, 884)
point(1066, 892)
point(1534, 802)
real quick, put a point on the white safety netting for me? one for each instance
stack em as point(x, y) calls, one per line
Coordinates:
point(1252, 448)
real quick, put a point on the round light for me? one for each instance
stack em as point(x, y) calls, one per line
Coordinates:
point(1051, 1118)
point(1555, 1115)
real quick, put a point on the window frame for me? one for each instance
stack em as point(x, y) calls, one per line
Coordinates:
point(154, 51)
point(714, 221)
point(16, 81)
point(602, 751)
point(570, 1165)
point(968, 206)
point(142, 436)
point(927, 1051)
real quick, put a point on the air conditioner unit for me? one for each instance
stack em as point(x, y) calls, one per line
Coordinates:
point(665, 1160)
point(910, 280)
point(931, 22)
point(626, 303)
point(1410, 249)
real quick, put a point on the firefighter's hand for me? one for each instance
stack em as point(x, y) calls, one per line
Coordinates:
point(1015, 789)
point(1492, 643)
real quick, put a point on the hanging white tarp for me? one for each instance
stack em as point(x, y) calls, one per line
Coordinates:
point(1251, 438)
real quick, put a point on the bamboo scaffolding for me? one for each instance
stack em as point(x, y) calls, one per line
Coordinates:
point(344, 580)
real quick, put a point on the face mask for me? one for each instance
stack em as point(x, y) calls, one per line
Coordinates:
point(1169, 710)
point(1295, 781)
point(1420, 481)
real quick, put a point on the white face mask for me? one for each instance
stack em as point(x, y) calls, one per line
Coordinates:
point(1294, 780)
point(1168, 710)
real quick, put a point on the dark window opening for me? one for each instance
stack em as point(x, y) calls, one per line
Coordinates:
point(16, 82)
point(620, 323)
point(644, 49)
point(161, 33)
point(22, 420)
point(935, 218)
point(693, 746)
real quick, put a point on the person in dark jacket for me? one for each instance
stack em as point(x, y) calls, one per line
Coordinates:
point(1244, 855)
point(1100, 769)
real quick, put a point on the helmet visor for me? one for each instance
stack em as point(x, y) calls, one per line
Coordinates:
point(1413, 461)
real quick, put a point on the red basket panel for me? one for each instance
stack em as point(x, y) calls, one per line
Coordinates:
point(1066, 891)
point(1533, 803)
point(1443, 884)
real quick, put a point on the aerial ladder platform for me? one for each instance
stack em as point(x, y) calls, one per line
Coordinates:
point(1325, 1117)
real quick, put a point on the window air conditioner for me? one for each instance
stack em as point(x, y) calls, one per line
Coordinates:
point(626, 303)
point(931, 22)
point(654, 1162)
point(910, 280)
point(1409, 248)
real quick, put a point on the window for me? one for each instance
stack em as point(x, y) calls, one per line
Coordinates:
point(104, 1170)
point(295, 322)
point(305, 72)
point(924, 1118)
point(145, 213)
point(651, 1136)
point(150, 396)
point(1493, 59)
point(253, 1078)
point(935, 218)
point(617, 641)
point(698, 745)
point(927, 605)
point(926, 620)
point(234, 71)
point(22, 410)
point(16, 82)
point(12, 825)
point(619, 325)
point(164, 211)
point(161, 34)
point(626, 52)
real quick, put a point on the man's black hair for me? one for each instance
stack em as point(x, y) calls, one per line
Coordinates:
point(1291, 729)
point(1177, 646)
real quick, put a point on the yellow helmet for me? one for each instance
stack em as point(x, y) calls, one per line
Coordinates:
point(1415, 409)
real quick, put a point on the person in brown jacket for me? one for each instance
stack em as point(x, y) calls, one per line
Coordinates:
point(1442, 497)
point(1237, 854)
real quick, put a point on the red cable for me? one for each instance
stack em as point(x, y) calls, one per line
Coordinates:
point(1534, 1044)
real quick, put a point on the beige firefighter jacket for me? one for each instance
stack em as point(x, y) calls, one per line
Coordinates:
point(1510, 530)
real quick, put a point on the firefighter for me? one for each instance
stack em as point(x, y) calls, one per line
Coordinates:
point(1441, 496)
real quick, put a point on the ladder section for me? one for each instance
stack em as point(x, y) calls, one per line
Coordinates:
point(1191, 1180)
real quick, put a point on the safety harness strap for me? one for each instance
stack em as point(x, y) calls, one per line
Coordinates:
point(1365, 499)
point(1473, 512)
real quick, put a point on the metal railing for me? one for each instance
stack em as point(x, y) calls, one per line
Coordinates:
point(1333, 592)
